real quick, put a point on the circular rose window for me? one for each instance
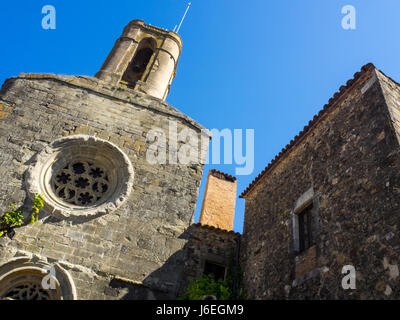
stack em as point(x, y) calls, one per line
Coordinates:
point(81, 175)
point(82, 183)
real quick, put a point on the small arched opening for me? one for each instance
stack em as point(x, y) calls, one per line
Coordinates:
point(140, 61)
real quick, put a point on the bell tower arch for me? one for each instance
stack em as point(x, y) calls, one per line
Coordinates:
point(144, 58)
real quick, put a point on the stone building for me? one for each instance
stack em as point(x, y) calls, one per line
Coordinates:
point(114, 225)
point(213, 246)
point(331, 199)
point(118, 226)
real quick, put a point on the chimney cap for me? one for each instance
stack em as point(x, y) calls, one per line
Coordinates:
point(221, 175)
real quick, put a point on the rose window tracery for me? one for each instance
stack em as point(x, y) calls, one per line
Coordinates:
point(28, 291)
point(33, 278)
point(80, 176)
point(81, 183)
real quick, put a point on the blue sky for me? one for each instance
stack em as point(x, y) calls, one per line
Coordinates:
point(256, 64)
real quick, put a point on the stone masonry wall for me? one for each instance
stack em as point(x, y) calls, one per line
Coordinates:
point(208, 244)
point(392, 97)
point(349, 164)
point(133, 252)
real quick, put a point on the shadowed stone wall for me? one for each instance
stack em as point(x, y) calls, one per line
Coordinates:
point(347, 166)
point(208, 244)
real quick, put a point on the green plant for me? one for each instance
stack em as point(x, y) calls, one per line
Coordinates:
point(38, 203)
point(123, 84)
point(14, 218)
point(10, 220)
point(207, 285)
point(228, 289)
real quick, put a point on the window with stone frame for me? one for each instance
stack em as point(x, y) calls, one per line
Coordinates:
point(305, 229)
point(26, 284)
point(81, 175)
point(217, 270)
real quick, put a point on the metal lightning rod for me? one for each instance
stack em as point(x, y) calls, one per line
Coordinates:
point(187, 9)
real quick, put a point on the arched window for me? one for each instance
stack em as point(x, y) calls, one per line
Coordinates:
point(26, 284)
point(23, 279)
point(140, 61)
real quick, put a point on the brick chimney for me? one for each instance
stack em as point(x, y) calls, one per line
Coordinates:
point(218, 209)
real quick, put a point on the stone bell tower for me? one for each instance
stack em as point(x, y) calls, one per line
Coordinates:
point(144, 58)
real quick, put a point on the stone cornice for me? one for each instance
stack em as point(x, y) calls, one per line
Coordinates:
point(159, 31)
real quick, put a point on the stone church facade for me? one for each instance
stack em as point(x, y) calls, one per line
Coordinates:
point(115, 226)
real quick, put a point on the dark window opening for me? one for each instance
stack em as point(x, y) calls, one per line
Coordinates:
point(139, 63)
point(216, 270)
point(305, 229)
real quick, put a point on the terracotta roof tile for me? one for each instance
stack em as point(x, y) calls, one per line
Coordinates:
point(222, 175)
point(204, 226)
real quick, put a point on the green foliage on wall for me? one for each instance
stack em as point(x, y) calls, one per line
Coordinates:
point(206, 285)
point(225, 289)
point(14, 218)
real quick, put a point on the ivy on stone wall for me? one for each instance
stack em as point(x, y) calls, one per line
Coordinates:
point(14, 218)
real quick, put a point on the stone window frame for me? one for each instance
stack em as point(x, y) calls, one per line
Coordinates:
point(32, 269)
point(27, 282)
point(80, 147)
point(307, 199)
point(305, 229)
